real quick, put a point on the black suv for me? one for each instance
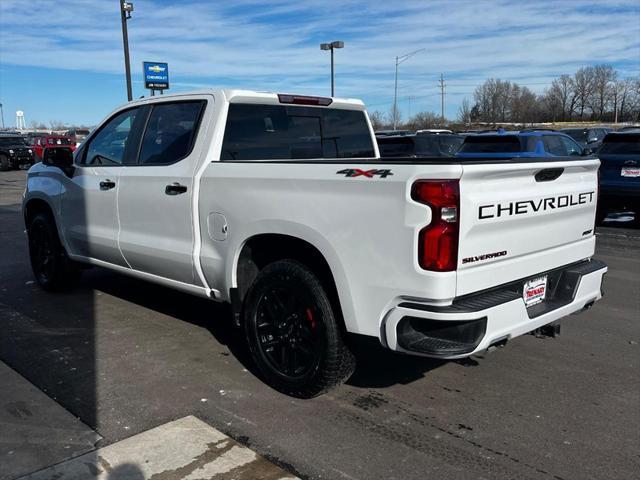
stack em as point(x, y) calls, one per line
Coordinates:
point(419, 145)
point(588, 137)
point(14, 152)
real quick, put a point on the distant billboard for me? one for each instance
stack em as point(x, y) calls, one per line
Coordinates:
point(156, 75)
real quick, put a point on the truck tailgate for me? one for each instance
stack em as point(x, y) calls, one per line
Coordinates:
point(518, 219)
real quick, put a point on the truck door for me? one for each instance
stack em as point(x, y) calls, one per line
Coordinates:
point(156, 192)
point(89, 198)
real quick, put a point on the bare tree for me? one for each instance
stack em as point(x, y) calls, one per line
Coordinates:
point(602, 91)
point(56, 125)
point(583, 88)
point(524, 105)
point(424, 120)
point(395, 116)
point(464, 112)
point(563, 89)
point(377, 120)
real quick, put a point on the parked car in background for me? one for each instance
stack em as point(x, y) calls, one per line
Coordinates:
point(588, 137)
point(50, 141)
point(620, 174)
point(629, 128)
point(30, 137)
point(419, 145)
point(77, 135)
point(522, 144)
point(14, 152)
point(434, 130)
point(387, 133)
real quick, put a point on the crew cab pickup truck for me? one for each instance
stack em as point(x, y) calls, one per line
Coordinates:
point(280, 205)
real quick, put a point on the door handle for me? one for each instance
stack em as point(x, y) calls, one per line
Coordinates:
point(107, 185)
point(175, 189)
point(548, 174)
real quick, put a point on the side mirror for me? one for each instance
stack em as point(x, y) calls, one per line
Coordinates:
point(586, 152)
point(59, 157)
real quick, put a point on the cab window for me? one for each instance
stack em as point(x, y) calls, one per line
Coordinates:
point(109, 145)
point(171, 132)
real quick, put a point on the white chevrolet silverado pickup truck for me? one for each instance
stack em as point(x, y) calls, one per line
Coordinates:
point(280, 205)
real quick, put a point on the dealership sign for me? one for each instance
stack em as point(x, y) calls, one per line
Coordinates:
point(156, 75)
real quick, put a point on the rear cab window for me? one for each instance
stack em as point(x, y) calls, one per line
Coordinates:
point(621, 144)
point(284, 132)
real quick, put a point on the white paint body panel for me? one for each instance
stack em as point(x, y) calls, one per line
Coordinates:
point(366, 228)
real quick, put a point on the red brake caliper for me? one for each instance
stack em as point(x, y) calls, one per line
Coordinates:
point(312, 320)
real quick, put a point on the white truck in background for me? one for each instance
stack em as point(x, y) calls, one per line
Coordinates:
point(280, 205)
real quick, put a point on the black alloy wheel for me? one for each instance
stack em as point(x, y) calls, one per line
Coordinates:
point(51, 266)
point(42, 252)
point(288, 333)
point(292, 331)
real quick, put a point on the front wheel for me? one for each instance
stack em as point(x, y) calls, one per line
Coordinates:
point(292, 331)
point(4, 163)
point(51, 266)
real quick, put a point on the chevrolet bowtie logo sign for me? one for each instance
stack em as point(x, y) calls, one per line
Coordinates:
point(156, 75)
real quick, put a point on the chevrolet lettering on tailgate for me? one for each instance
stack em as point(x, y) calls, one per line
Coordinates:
point(524, 207)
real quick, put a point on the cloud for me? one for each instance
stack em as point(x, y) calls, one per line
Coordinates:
point(274, 45)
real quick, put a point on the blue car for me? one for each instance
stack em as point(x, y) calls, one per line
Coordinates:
point(620, 174)
point(521, 144)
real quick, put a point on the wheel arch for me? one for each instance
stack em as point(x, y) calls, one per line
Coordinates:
point(34, 206)
point(259, 250)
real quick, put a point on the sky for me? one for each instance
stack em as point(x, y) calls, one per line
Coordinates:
point(63, 61)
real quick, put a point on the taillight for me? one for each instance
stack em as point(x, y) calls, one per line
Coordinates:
point(304, 100)
point(438, 242)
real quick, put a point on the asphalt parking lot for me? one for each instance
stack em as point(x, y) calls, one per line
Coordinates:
point(123, 356)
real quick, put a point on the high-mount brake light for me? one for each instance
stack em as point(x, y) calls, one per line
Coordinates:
point(304, 100)
point(438, 241)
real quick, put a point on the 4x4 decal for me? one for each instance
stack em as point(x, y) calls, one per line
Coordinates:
point(356, 172)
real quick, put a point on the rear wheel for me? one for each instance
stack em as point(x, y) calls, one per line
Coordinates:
point(50, 264)
point(293, 333)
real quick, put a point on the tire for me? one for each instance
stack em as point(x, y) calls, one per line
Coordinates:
point(51, 266)
point(636, 215)
point(4, 163)
point(293, 333)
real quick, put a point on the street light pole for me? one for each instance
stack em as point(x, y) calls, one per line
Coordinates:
point(125, 13)
point(399, 60)
point(2, 113)
point(332, 46)
point(332, 81)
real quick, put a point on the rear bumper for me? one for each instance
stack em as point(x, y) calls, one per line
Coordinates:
point(474, 322)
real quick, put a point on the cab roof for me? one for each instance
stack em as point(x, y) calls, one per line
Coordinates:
point(262, 98)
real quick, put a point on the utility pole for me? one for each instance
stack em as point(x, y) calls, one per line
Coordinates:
point(125, 13)
point(442, 85)
point(399, 60)
point(2, 113)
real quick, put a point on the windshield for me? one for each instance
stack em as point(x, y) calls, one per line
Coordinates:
point(491, 144)
point(578, 134)
point(9, 141)
point(438, 145)
point(58, 141)
point(624, 144)
point(396, 147)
